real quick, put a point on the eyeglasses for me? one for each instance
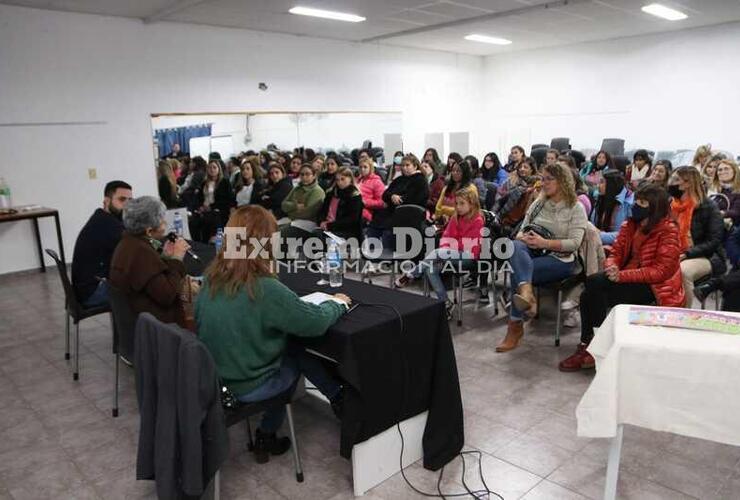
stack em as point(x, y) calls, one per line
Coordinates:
point(547, 178)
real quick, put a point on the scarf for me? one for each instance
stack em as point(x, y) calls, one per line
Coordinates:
point(682, 212)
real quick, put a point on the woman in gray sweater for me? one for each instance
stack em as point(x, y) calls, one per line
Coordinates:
point(536, 259)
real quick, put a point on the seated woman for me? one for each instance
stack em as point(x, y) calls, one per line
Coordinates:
point(492, 177)
point(709, 173)
point(167, 184)
point(662, 171)
point(436, 184)
point(328, 176)
point(149, 273)
point(516, 194)
point(727, 183)
point(248, 185)
point(294, 169)
point(700, 228)
point(245, 317)
point(613, 206)
point(460, 178)
point(278, 188)
point(642, 268)
point(461, 242)
point(304, 201)
point(409, 189)
point(593, 171)
point(557, 211)
point(639, 169)
point(432, 157)
point(729, 284)
point(216, 200)
point(371, 188)
point(341, 212)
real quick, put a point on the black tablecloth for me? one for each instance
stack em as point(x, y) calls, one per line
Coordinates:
point(391, 372)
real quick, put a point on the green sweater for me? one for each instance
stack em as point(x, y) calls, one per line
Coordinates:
point(312, 197)
point(247, 337)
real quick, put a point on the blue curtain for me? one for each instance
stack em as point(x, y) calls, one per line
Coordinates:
point(166, 137)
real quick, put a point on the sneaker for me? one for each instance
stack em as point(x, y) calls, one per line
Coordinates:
point(580, 360)
point(269, 444)
point(470, 282)
point(571, 318)
point(484, 298)
point(403, 280)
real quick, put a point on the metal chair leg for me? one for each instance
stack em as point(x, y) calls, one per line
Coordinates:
point(66, 337)
point(495, 293)
point(426, 284)
point(250, 442)
point(557, 319)
point(459, 292)
point(76, 374)
point(115, 390)
point(296, 455)
point(454, 288)
point(217, 486)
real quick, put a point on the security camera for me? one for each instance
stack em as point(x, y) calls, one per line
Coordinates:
point(262, 86)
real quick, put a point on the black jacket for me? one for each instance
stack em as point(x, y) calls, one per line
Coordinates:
point(348, 222)
point(326, 180)
point(274, 194)
point(182, 439)
point(414, 189)
point(93, 252)
point(223, 196)
point(165, 192)
point(707, 233)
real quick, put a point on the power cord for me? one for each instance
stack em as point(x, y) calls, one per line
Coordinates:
point(477, 494)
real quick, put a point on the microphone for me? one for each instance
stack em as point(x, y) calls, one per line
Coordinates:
point(172, 236)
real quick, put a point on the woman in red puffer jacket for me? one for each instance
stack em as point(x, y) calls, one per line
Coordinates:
point(371, 188)
point(643, 268)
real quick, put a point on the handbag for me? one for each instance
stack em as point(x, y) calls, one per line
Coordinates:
point(538, 229)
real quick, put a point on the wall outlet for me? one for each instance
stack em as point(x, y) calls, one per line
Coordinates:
point(92, 173)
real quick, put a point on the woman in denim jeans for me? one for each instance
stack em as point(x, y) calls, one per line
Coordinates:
point(537, 260)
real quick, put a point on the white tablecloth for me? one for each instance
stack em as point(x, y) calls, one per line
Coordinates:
point(665, 379)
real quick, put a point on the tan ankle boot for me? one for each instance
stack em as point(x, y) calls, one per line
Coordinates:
point(514, 334)
point(525, 300)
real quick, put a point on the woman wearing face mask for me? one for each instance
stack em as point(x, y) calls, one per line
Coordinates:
point(700, 228)
point(613, 206)
point(436, 185)
point(492, 176)
point(460, 178)
point(341, 212)
point(642, 268)
point(329, 174)
point(395, 170)
point(556, 211)
point(662, 171)
point(593, 171)
point(277, 189)
point(727, 182)
point(432, 157)
point(371, 188)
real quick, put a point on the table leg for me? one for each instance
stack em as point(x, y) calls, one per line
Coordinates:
point(60, 242)
point(612, 467)
point(38, 244)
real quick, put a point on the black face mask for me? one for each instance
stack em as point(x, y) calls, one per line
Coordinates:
point(639, 213)
point(675, 191)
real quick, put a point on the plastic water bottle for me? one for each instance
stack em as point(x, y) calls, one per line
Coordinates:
point(334, 260)
point(4, 194)
point(219, 239)
point(178, 225)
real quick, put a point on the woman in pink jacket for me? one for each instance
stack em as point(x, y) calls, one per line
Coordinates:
point(460, 243)
point(371, 187)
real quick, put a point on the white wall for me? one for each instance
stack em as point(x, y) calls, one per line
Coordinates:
point(64, 67)
point(668, 91)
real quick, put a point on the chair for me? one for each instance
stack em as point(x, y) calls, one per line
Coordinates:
point(621, 162)
point(538, 146)
point(578, 157)
point(560, 287)
point(539, 154)
point(560, 143)
point(74, 310)
point(613, 146)
point(701, 281)
point(458, 275)
point(124, 326)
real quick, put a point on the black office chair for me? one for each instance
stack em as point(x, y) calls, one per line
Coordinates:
point(74, 310)
point(717, 301)
point(124, 326)
point(560, 287)
point(560, 143)
point(539, 155)
point(538, 146)
point(621, 162)
point(613, 146)
point(242, 412)
point(578, 157)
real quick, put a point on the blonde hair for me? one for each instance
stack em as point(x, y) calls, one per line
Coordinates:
point(701, 155)
point(469, 194)
point(735, 179)
point(165, 169)
point(561, 172)
point(370, 164)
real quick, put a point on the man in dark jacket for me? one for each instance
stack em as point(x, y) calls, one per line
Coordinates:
point(95, 245)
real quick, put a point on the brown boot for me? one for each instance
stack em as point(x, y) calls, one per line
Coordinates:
point(525, 300)
point(513, 335)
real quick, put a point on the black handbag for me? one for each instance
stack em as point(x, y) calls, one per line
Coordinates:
point(537, 229)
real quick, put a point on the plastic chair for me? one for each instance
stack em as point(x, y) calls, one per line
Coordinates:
point(560, 143)
point(538, 146)
point(539, 155)
point(74, 310)
point(124, 325)
point(613, 146)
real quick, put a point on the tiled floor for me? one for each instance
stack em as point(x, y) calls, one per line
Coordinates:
point(58, 440)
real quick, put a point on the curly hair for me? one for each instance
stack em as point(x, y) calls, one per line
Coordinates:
point(561, 172)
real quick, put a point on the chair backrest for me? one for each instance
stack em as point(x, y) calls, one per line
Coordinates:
point(124, 322)
point(621, 162)
point(70, 298)
point(538, 146)
point(539, 154)
point(613, 146)
point(560, 143)
point(579, 157)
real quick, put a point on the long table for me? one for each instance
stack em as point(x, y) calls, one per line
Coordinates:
point(34, 216)
point(394, 370)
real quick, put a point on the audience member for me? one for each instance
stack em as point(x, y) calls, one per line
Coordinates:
point(492, 177)
point(233, 169)
point(216, 199)
point(432, 157)
point(341, 212)
point(245, 317)
point(95, 246)
point(395, 168)
point(709, 173)
point(327, 177)
point(729, 284)
point(460, 178)
point(593, 171)
point(278, 188)
point(371, 188)
point(151, 275)
point(167, 184)
point(662, 171)
point(436, 184)
point(516, 195)
point(727, 183)
point(516, 156)
point(702, 155)
point(294, 173)
point(174, 153)
point(642, 268)
point(545, 247)
point(248, 185)
point(551, 157)
point(700, 228)
point(613, 206)
point(304, 201)
point(639, 169)
point(452, 160)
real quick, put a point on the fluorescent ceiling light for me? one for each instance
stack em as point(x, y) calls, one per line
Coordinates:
point(488, 39)
point(326, 14)
point(659, 10)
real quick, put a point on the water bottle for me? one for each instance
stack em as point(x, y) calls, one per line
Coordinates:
point(4, 194)
point(178, 225)
point(334, 260)
point(219, 239)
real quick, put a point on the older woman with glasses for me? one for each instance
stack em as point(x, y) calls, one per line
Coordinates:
point(545, 246)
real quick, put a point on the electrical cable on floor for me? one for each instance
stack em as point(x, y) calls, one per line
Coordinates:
point(477, 494)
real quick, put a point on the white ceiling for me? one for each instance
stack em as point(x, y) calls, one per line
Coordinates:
point(585, 20)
